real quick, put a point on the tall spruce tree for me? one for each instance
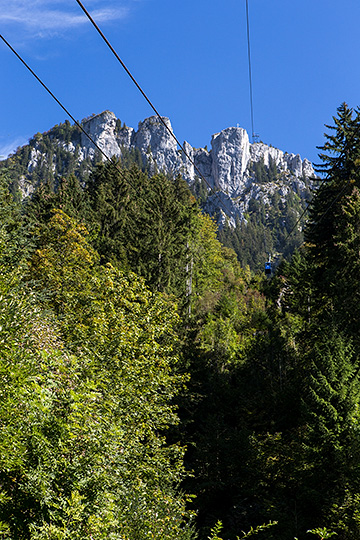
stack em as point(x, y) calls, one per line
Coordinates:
point(316, 472)
point(325, 463)
point(335, 216)
point(340, 156)
point(146, 224)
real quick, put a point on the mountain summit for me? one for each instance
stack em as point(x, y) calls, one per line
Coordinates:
point(225, 166)
point(241, 184)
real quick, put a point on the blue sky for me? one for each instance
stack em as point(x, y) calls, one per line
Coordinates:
point(190, 57)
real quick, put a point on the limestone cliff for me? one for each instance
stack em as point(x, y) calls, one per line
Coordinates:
point(225, 167)
point(231, 167)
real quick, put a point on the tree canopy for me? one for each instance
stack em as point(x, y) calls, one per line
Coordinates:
point(151, 387)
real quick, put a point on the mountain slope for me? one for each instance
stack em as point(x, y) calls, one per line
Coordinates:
point(255, 192)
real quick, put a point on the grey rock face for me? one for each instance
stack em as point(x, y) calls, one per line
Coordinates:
point(101, 129)
point(125, 137)
point(35, 157)
point(226, 208)
point(227, 167)
point(157, 145)
point(203, 161)
point(260, 151)
point(294, 164)
point(230, 156)
point(307, 169)
point(187, 168)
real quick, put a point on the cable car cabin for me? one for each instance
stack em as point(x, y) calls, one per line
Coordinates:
point(268, 269)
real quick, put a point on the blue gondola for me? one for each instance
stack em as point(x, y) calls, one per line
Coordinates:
point(268, 268)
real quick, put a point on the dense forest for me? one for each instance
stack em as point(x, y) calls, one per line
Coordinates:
point(152, 387)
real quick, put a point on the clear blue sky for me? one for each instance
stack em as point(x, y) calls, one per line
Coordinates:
point(190, 56)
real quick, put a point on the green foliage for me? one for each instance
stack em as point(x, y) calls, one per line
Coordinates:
point(15, 241)
point(322, 533)
point(264, 173)
point(266, 230)
point(200, 189)
point(96, 404)
point(51, 157)
point(294, 402)
point(154, 226)
point(216, 530)
point(144, 223)
point(340, 164)
point(309, 459)
point(259, 528)
point(86, 454)
point(62, 264)
point(47, 158)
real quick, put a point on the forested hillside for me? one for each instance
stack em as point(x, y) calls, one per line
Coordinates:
point(153, 388)
point(257, 196)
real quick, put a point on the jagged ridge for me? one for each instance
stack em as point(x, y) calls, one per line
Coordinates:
point(228, 167)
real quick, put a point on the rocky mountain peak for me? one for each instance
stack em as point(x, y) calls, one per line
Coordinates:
point(156, 144)
point(226, 166)
point(230, 157)
point(238, 170)
point(102, 129)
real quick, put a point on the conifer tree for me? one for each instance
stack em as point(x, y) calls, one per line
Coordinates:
point(330, 393)
point(333, 229)
point(315, 473)
point(340, 156)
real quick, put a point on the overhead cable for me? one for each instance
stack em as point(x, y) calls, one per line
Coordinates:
point(63, 108)
point(250, 73)
point(172, 134)
point(164, 123)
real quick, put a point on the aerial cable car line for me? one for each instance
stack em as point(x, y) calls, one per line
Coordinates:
point(66, 110)
point(253, 135)
point(268, 267)
point(172, 134)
